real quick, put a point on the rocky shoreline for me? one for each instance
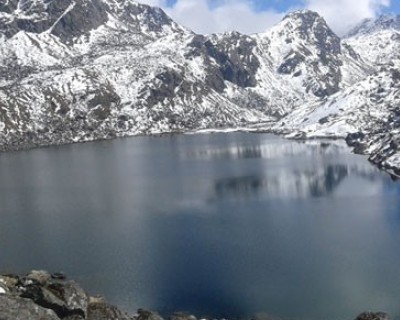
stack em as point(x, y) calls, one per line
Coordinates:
point(40, 295)
point(382, 148)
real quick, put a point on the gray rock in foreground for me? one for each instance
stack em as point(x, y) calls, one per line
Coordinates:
point(40, 295)
point(16, 308)
point(373, 316)
point(43, 296)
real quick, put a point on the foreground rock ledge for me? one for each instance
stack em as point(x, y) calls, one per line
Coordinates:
point(40, 295)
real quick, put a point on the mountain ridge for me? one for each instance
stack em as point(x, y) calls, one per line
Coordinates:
point(388, 21)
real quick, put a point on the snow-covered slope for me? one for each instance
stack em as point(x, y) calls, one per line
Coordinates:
point(304, 50)
point(377, 40)
point(360, 107)
point(82, 70)
point(126, 70)
point(370, 26)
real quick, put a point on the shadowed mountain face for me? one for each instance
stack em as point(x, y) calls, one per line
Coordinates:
point(64, 19)
point(67, 19)
point(74, 71)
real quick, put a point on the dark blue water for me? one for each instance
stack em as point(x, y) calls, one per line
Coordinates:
point(226, 225)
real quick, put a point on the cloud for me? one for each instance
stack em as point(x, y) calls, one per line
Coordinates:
point(241, 15)
point(157, 3)
point(227, 15)
point(343, 14)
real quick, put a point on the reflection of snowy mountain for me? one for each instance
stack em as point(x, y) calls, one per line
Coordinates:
point(284, 184)
point(270, 150)
point(129, 69)
point(289, 170)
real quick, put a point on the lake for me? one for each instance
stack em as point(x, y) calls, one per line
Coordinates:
point(224, 225)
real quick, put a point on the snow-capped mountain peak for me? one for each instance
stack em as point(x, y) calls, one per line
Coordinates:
point(304, 48)
point(373, 25)
point(307, 23)
point(70, 19)
point(377, 40)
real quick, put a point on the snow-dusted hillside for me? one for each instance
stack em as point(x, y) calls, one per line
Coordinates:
point(74, 71)
point(377, 41)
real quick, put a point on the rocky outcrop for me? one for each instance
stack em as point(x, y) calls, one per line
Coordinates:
point(325, 65)
point(16, 308)
point(373, 316)
point(40, 295)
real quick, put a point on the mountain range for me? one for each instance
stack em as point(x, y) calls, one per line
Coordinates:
point(82, 70)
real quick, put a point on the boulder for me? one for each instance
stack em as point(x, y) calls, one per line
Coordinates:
point(373, 316)
point(66, 298)
point(182, 316)
point(17, 308)
point(103, 311)
point(143, 314)
point(40, 295)
point(39, 276)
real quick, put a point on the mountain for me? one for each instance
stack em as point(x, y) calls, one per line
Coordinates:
point(370, 25)
point(129, 69)
point(377, 41)
point(367, 112)
point(73, 71)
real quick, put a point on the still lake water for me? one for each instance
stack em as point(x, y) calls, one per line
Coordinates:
point(225, 225)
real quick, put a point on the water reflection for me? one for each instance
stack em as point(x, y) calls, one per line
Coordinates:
point(222, 225)
point(266, 150)
point(329, 181)
point(294, 184)
point(233, 152)
point(239, 186)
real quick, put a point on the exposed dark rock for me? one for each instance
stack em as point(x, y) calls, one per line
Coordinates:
point(182, 316)
point(83, 17)
point(143, 314)
point(290, 64)
point(38, 276)
point(373, 316)
point(234, 58)
point(17, 308)
point(234, 53)
point(38, 296)
point(64, 298)
point(58, 275)
point(356, 140)
point(312, 29)
point(66, 18)
point(104, 311)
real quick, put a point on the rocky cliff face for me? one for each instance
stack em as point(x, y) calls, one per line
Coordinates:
point(73, 71)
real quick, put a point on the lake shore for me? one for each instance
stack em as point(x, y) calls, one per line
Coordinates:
point(381, 149)
point(40, 295)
